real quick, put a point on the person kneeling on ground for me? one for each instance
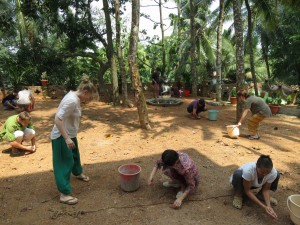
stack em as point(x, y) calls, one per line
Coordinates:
point(9, 102)
point(252, 175)
point(16, 130)
point(195, 107)
point(182, 171)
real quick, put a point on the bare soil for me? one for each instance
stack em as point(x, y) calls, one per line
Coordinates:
point(111, 136)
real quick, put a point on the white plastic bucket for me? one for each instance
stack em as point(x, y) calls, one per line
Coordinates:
point(233, 131)
point(293, 204)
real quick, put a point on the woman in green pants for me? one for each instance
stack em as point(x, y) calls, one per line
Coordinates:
point(66, 157)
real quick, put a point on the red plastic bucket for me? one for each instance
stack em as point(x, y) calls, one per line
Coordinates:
point(130, 177)
point(186, 93)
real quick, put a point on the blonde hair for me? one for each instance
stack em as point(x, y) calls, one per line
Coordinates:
point(24, 116)
point(86, 85)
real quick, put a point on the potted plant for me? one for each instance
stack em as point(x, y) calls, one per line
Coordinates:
point(233, 98)
point(274, 103)
point(44, 79)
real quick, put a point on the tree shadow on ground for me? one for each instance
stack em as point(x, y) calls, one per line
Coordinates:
point(101, 199)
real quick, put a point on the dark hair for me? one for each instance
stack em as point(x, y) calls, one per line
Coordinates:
point(169, 157)
point(264, 161)
point(243, 93)
point(158, 69)
point(201, 102)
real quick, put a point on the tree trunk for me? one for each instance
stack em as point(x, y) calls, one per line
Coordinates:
point(193, 48)
point(21, 22)
point(219, 51)
point(265, 50)
point(120, 54)
point(250, 46)
point(133, 66)
point(110, 55)
point(102, 89)
point(162, 39)
point(179, 30)
point(240, 76)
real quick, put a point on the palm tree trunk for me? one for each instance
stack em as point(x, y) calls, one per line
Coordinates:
point(219, 51)
point(179, 30)
point(193, 48)
point(265, 50)
point(240, 76)
point(250, 46)
point(162, 39)
point(133, 66)
point(21, 23)
point(110, 55)
point(120, 54)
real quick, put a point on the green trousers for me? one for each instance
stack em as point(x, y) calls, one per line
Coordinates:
point(65, 161)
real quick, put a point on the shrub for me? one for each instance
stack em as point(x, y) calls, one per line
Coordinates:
point(274, 100)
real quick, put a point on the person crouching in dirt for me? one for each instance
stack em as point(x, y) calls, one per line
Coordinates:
point(182, 171)
point(195, 107)
point(259, 110)
point(16, 130)
point(9, 102)
point(253, 175)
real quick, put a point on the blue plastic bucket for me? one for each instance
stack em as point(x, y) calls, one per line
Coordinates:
point(213, 114)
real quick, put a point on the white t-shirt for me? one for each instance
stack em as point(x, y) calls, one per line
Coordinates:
point(250, 174)
point(69, 112)
point(24, 97)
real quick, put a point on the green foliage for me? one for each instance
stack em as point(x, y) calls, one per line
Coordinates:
point(285, 46)
point(274, 99)
point(231, 75)
point(251, 92)
point(187, 80)
point(289, 99)
point(56, 36)
point(233, 92)
point(44, 75)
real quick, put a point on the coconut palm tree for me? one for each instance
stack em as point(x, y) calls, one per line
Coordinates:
point(219, 49)
point(197, 44)
point(238, 27)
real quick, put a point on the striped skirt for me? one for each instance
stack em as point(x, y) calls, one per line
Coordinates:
point(253, 123)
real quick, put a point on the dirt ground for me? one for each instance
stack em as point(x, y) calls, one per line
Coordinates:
point(110, 136)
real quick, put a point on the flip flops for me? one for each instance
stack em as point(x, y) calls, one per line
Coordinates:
point(83, 177)
point(237, 202)
point(253, 137)
point(68, 199)
point(169, 184)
